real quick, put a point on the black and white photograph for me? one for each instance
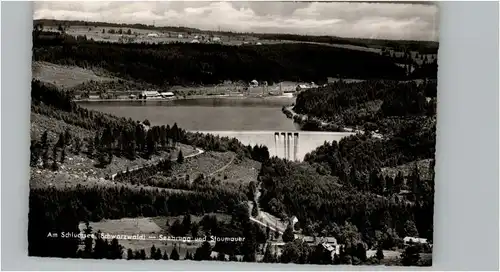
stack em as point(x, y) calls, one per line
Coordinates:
point(235, 131)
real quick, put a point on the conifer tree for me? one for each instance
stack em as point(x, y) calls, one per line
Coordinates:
point(174, 255)
point(288, 234)
point(152, 253)
point(63, 155)
point(269, 255)
point(380, 253)
point(44, 140)
point(180, 157)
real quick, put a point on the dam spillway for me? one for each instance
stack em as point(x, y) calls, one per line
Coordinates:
point(290, 145)
point(287, 144)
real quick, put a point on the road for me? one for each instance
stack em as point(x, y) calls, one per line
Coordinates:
point(264, 218)
point(199, 152)
point(323, 123)
point(223, 167)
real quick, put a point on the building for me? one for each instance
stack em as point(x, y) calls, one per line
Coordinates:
point(216, 40)
point(414, 240)
point(309, 239)
point(302, 87)
point(294, 220)
point(195, 41)
point(328, 240)
point(153, 35)
point(180, 36)
point(150, 94)
point(333, 249)
point(167, 94)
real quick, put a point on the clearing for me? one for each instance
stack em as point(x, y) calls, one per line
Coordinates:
point(151, 228)
point(241, 171)
point(206, 164)
point(66, 76)
point(423, 166)
point(140, 226)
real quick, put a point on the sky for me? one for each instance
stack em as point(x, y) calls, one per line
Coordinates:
point(407, 21)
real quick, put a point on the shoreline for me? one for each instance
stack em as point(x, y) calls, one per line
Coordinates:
point(193, 97)
point(304, 120)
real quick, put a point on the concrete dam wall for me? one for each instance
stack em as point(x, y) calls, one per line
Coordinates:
point(291, 145)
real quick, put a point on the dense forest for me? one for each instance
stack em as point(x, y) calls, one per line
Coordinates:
point(57, 211)
point(423, 47)
point(388, 106)
point(186, 64)
point(371, 204)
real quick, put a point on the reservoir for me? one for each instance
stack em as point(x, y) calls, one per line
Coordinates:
point(250, 120)
point(219, 114)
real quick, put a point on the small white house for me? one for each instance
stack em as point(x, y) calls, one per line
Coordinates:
point(258, 43)
point(195, 41)
point(153, 35)
point(167, 94)
point(301, 87)
point(180, 36)
point(150, 94)
point(216, 39)
point(414, 240)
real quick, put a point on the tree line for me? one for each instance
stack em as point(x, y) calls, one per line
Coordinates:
point(61, 210)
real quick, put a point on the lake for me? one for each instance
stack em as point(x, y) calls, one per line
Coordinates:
point(226, 114)
point(250, 120)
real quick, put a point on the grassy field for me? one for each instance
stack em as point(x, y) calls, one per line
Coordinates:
point(151, 228)
point(161, 221)
point(67, 76)
point(240, 171)
point(112, 34)
point(139, 226)
point(41, 123)
point(79, 168)
point(205, 164)
point(137, 35)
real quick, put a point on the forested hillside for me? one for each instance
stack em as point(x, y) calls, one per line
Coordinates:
point(178, 64)
point(325, 205)
point(56, 210)
point(343, 183)
point(374, 105)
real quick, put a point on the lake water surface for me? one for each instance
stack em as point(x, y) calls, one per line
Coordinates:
point(250, 120)
point(217, 114)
